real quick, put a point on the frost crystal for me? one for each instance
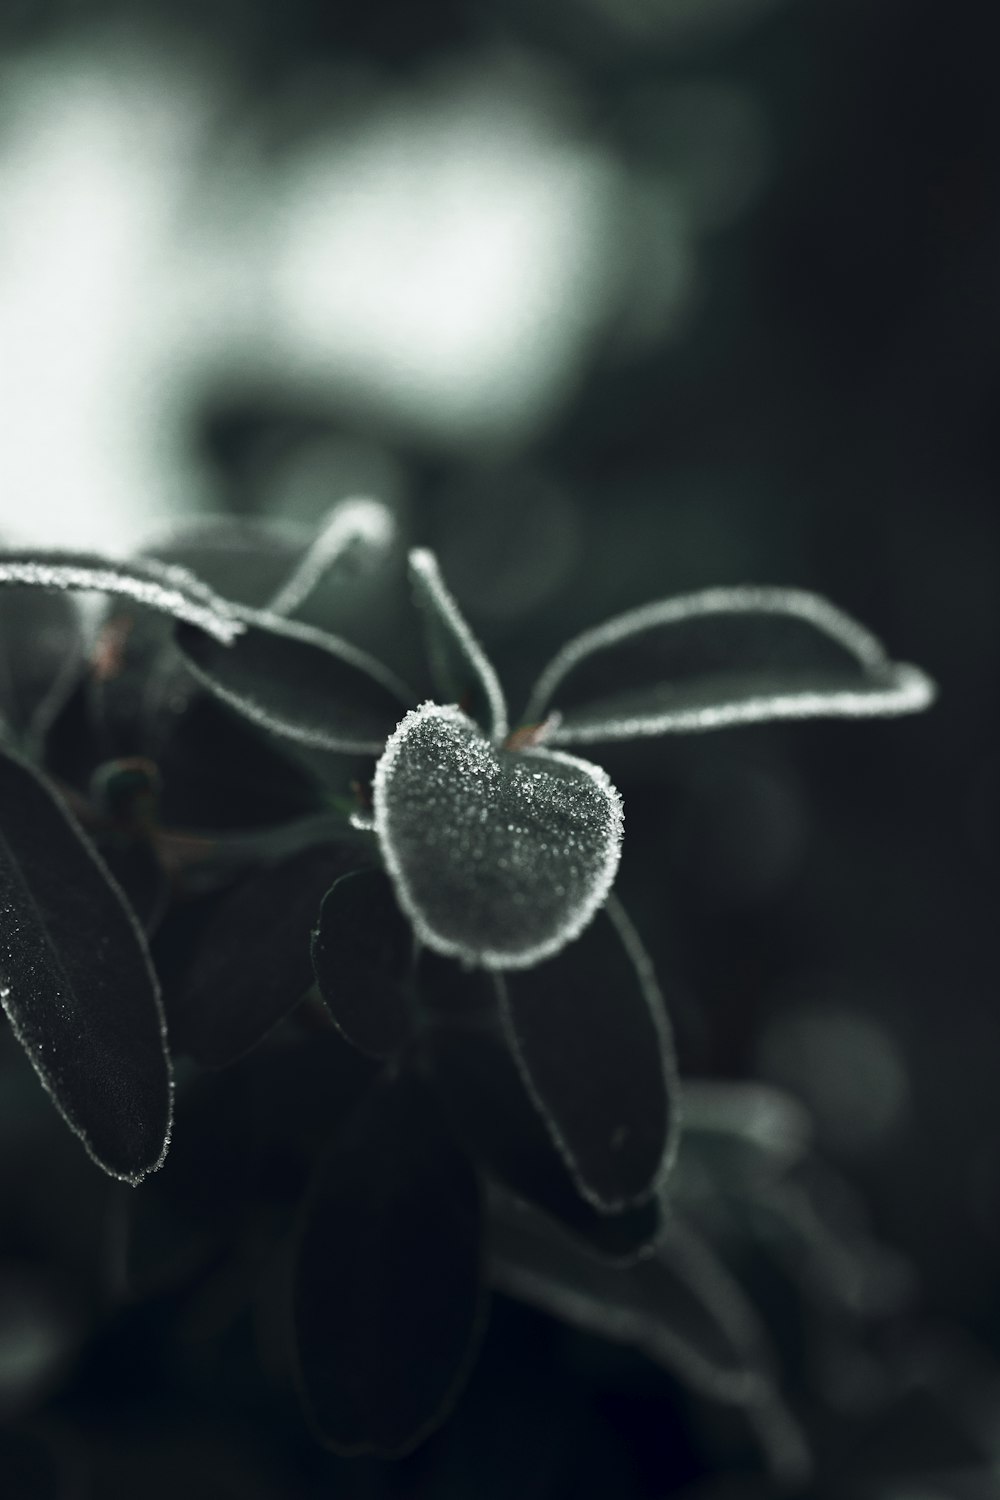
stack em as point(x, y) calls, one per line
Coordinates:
point(498, 858)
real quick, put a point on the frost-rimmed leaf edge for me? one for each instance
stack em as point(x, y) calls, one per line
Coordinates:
point(165, 587)
point(425, 571)
point(905, 688)
point(350, 523)
point(491, 959)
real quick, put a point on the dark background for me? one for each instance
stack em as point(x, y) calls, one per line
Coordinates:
point(820, 899)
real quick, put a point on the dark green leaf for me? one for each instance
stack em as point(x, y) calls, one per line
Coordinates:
point(498, 858)
point(77, 982)
point(461, 671)
point(252, 965)
point(362, 954)
point(299, 682)
point(680, 1307)
point(591, 1037)
point(387, 1294)
point(721, 657)
point(41, 658)
point(484, 1095)
point(245, 559)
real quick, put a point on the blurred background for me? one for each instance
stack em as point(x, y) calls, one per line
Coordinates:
point(608, 299)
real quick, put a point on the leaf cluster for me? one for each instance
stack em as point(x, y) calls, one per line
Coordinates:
point(238, 852)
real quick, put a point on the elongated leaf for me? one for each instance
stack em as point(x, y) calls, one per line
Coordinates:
point(77, 983)
point(168, 589)
point(461, 671)
point(355, 534)
point(252, 965)
point(498, 858)
point(483, 1092)
point(387, 1292)
point(741, 1131)
point(680, 1307)
point(245, 559)
point(362, 954)
point(591, 1037)
point(41, 657)
point(299, 682)
point(722, 657)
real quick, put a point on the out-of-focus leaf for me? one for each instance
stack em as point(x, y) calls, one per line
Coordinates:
point(41, 658)
point(738, 1131)
point(591, 1037)
point(245, 559)
point(163, 587)
point(299, 682)
point(680, 1307)
point(355, 534)
point(387, 1290)
point(722, 657)
point(498, 858)
point(252, 964)
point(483, 1092)
point(77, 983)
point(461, 671)
point(362, 954)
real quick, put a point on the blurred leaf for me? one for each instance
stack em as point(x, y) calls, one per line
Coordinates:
point(41, 659)
point(591, 1037)
point(680, 1307)
point(472, 1072)
point(498, 858)
point(387, 1295)
point(738, 1131)
point(299, 682)
point(362, 955)
point(722, 657)
point(77, 982)
point(243, 558)
point(355, 534)
point(461, 672)
point(252, 965)
point(168, 589)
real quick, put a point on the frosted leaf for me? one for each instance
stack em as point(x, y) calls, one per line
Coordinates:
point(461, 670)
point(355, 531)
point(593, 1044)
point(299, 682)
point(722, 657)
point(499, 858)
point(362, 957)
point(164, 587)
point(680, 1307)
point(77, 982)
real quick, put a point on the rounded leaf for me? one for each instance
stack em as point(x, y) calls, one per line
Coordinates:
point(499, 858)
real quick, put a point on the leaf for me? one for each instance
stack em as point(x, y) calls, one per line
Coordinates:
point(41, 658)
point(387, 1300)
point(593, 1043)
point(680, 1307)
point(300, 682)
point(77, 982)
point(738, 1131)
point(462, 673)
point(722, 657)
point(356, 533)
point(483, 1092)
point(252, 964)
point(246, 559)
point(499, 858)
point(168, 589)
point(362, 956)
